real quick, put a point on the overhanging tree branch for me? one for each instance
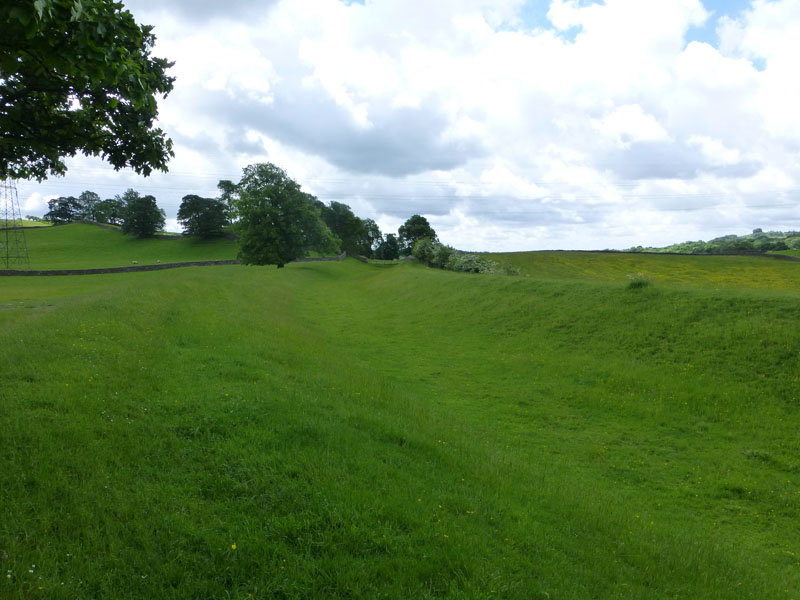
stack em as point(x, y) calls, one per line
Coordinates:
point(78, 76)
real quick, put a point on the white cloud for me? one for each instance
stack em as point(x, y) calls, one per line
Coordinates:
point(769, 31)
point(715, 152)
point(35, 204)
point(605, 130)
point(629, 123)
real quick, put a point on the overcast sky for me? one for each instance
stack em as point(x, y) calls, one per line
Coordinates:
point(509, 124)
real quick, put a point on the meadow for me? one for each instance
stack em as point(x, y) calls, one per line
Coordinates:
point(85, 246)
point(341, 430)
point(24, 223)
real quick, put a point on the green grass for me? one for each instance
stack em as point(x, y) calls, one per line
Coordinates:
point(25, 223)
point(83, 246)
point(787, 252)
point(736, 272)
point(403, 433)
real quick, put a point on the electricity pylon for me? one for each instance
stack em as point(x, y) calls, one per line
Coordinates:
point(13, 249)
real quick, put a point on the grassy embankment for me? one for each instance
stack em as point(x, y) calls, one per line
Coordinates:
point(340, 430)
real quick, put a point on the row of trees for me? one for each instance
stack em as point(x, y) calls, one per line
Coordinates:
point(277, 222)
point(135, 214)
point(757, 242)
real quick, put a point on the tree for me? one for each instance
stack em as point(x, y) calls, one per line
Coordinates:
point(228, 195)
point(424, 250)
point(88, 201)
point(78, 76)
point(63, 210)
point(441, 255)
point(111, 211)
point(356, 235)
point(143, 218)
point(413, 230)
point(203, 217)
point(389, 248)
point(432, 254)
point(372, 238)
point(278, 223)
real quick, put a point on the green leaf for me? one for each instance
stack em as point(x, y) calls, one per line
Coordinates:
point(77, 10)
point(39, 6)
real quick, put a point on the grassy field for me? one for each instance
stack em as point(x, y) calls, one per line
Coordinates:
point(83, 246)
point(340, 430)
point(736, 272)
point(788, 252)
point(25, 223)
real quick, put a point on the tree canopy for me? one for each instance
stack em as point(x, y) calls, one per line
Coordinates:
point(356, 235)
point(111, 211)
point(389, 248)
point(203, 217)
point(78, 76)
point(414, 229)
point(89, 201)
point(142, 216)
point(65, 209)
point(278, 222)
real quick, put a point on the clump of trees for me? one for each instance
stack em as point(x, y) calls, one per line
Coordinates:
point(354, 235)
point(388, 248)
point(63, 210)
point(135, 214)
point(277, 222)
point(142, 216)
point(416, 228)
point(756, 242)
point(438, 255)
point(393, 246)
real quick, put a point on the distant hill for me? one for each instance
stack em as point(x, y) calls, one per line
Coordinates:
point(757, 242)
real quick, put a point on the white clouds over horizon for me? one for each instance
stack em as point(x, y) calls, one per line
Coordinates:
point(607, 128)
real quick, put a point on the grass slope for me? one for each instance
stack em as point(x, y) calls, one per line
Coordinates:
point(83, 246)
point(339, 430)
point(736, 272)
point(24, 223)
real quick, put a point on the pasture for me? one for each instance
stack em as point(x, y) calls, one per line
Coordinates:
point(340, 430)
point(85, 246)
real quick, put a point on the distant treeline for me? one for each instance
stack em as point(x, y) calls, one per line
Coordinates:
point(757, 242)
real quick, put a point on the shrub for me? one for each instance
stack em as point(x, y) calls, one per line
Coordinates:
point(441, 255)
point(423, 251)
point(638, 281)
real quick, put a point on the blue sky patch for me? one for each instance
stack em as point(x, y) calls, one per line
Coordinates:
point(534, 16)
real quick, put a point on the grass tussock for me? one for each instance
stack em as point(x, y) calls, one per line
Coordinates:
point(638, 281)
